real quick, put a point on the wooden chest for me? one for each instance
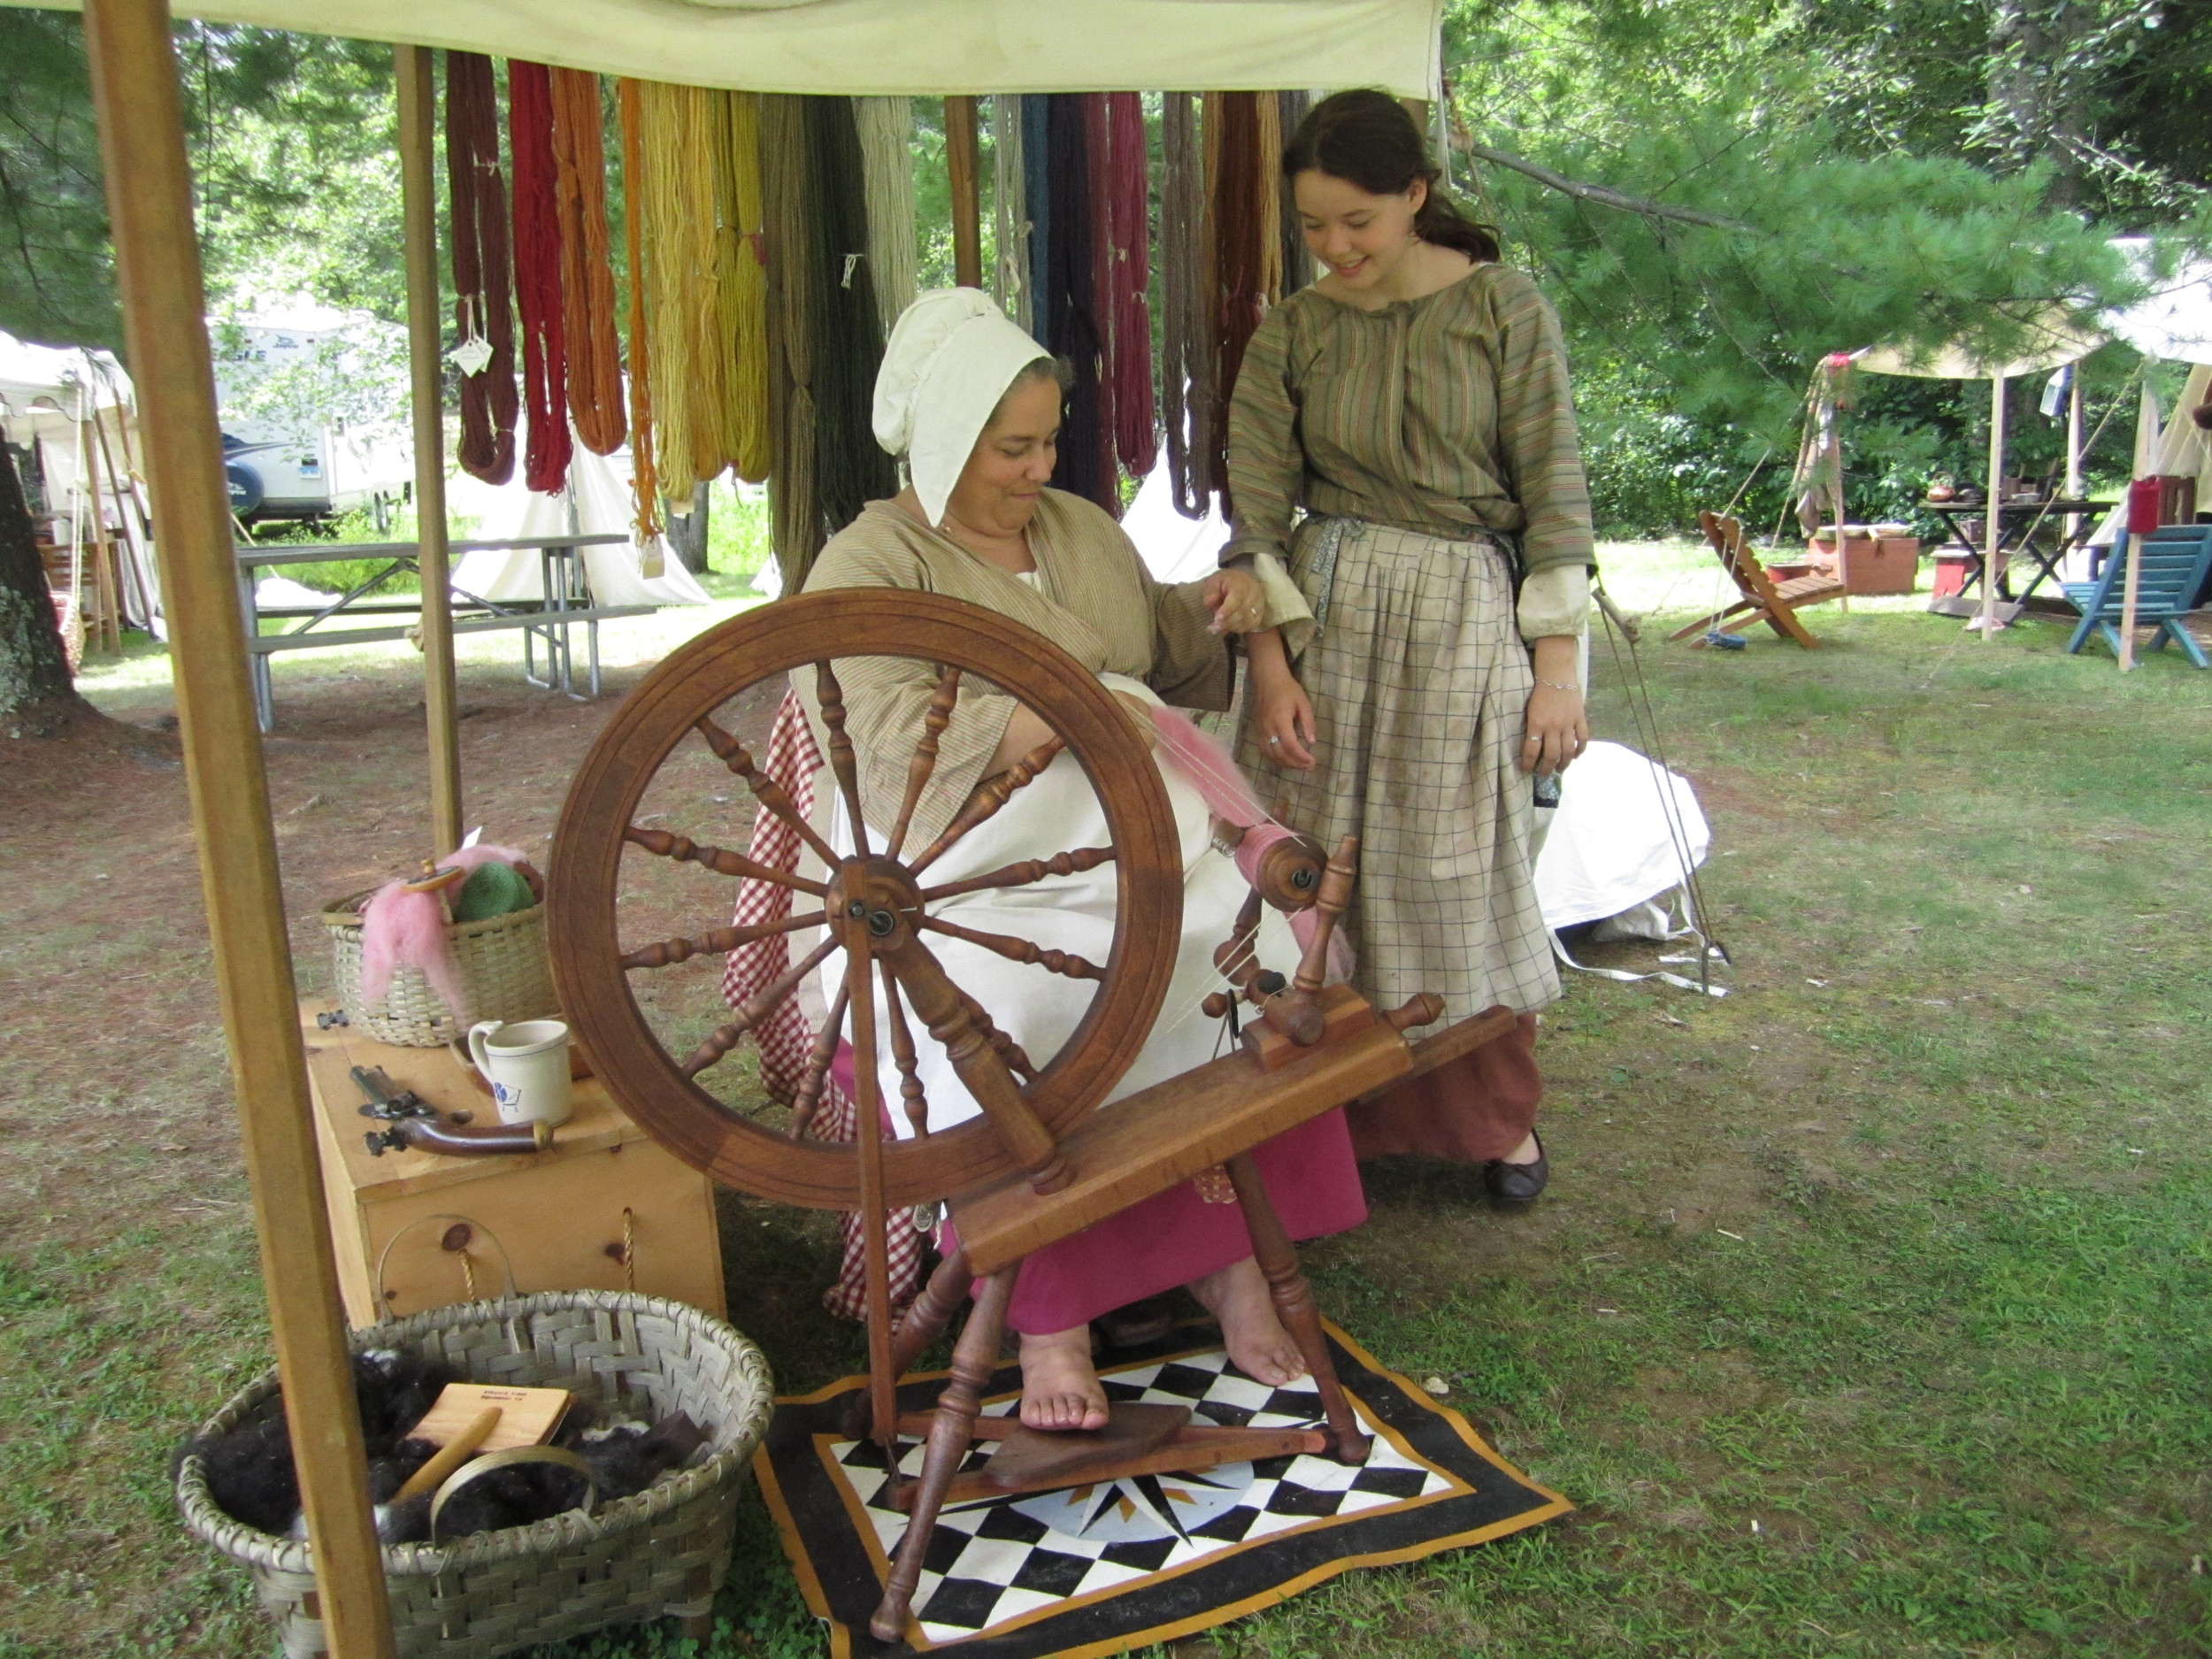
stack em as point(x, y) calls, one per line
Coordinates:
point(563, 1215)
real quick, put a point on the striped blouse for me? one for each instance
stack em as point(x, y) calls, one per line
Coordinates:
point(1442, 414)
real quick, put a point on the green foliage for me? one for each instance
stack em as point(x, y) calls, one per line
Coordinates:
point(56, 282)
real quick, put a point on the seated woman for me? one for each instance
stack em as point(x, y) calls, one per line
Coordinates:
point(974, 405)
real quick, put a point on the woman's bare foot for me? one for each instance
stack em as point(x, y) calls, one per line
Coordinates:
point(1059, 1385)
point(1238, 1296)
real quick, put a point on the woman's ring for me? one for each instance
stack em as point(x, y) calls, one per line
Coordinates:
point(1274, 739)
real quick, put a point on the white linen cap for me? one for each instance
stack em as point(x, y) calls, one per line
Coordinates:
point(950, 358)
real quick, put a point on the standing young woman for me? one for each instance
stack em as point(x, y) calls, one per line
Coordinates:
point(1413, 402)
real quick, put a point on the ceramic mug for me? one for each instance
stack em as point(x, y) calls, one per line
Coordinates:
point(526, 1062)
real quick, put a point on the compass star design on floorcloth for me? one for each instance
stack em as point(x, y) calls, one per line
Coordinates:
point(1141, 1508)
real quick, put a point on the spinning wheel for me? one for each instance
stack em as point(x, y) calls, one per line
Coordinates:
point(1039, 1164)
point(877, 901)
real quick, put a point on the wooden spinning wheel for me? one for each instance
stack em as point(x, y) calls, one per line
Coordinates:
point(1039, 1164)
point(676, 704)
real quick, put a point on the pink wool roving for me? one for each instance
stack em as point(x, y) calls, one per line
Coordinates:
point(403, 929)
point(1213, 771)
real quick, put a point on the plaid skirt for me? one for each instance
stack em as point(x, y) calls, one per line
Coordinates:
point(1420, 681)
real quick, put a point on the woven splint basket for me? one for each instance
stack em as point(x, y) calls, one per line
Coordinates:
point(502, 958)
point(661, 1553)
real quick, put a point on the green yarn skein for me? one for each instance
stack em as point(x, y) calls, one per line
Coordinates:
point(493, 889)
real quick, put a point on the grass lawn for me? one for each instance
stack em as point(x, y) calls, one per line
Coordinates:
point(1866, 1314)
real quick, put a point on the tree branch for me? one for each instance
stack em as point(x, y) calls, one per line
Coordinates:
point(1604, 195)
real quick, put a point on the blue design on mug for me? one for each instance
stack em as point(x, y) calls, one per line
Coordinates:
point(504, 1095)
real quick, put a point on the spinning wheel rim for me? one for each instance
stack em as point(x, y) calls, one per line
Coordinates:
point(662, 713)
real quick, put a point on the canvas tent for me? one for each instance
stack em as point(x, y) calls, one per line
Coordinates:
point(829, 46)
point(76, 408)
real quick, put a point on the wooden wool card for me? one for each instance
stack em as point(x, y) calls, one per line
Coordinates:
point(527, 1416)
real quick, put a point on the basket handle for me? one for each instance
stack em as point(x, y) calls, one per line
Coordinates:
point(485, 1463)
point(376, 1279)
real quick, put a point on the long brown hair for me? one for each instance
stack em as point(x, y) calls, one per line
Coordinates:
point(1367, 139)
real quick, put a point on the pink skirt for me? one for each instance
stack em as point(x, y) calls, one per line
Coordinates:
point(1174, 1237)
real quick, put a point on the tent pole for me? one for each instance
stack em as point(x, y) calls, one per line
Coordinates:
point(963, 167)
point(418, 208)
point(1993, 516)
point(158, 276)
point(2073, 453)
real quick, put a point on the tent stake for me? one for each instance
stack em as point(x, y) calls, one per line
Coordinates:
point(164, 313)
point(418, 199)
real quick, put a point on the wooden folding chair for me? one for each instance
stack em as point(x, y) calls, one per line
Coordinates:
point(1764, 599)
point(2170, 573)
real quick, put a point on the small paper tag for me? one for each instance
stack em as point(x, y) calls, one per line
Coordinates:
point(527, 1416)
point(471, 355)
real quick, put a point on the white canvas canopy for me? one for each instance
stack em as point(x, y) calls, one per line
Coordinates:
point(919, 47)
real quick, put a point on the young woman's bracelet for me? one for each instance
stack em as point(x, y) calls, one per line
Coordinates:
point(1555, 685)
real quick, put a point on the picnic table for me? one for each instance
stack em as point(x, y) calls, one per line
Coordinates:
point(565, 604)
point(2037, 529)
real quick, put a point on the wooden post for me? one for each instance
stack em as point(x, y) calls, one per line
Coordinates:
point(2073, 455)
point(964, 163)
point(106, 579)
point(158, 275)
point(1994, 514)
point(418, 199)
point(2130, 590)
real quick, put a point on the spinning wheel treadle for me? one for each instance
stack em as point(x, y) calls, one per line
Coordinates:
point(1038, 1166)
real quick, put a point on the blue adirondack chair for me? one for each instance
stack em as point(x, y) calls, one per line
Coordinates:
point(2175, 559)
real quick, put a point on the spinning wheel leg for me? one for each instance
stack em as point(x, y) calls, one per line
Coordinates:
point(1277, 1258)
point(973, 1357)
point(928, 1315)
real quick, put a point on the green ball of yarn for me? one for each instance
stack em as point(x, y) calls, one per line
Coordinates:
point(493, 889)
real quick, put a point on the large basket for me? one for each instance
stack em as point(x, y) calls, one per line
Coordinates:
point(503, 959)
point(661, 1553)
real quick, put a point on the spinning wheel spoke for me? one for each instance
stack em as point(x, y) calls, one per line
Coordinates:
point(756, 1009)
point(716, 940)
point(832, 697)
point(989, 796)
point(917, 1106)
point(765, 789)
point(918, 770)
point(1002, 1045)
point(1063, 961)
point(1028, 871)
point(818, 1065)
point(663, 844)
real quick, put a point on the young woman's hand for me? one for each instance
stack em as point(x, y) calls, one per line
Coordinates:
point(1235, 599)
point(1282, 715)
point(1557, 728)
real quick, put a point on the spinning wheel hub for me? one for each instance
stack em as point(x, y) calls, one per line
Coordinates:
point(879, 893)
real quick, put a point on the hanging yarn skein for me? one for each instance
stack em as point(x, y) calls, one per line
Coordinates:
point(678, 183)
point(1297, 258)
point(887, 155)
point(644, 476)
point(742, 250)
point(538, 274)
point(825, 343)
point(1126, 264)
point(483, 301)
point(1246, 221)
point(1036, 124)
point(1186, 334)
point(1068, 299)
point(588, 308)
point(1009, 210)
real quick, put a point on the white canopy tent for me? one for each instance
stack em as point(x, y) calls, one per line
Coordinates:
point(821, 46)
point(920, 47)
point(76, 408)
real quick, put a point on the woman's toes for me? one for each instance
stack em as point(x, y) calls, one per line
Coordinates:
point(1060, 1388)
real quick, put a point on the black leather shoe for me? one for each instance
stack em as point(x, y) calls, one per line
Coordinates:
point(1517, 1183)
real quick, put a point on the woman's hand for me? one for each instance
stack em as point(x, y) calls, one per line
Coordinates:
point(1235, 599)
point(1282, 714)
point(1140, 713)
point(1557, 729)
